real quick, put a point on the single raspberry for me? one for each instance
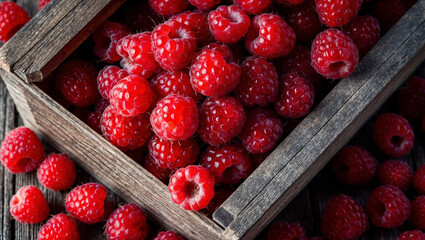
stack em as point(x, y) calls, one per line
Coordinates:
point(152, 166)
point(228, 24)
point(197, 23)
point(173, 154)
point(343, 218)
point(21, 151)
point(106, 38)
point(86, 202)
point(108, 77)
point(411, 99)
point(419, 180)
point(364, 31)
point(168, 235)
point(412, 235)
point(259, 83)
point(29, 205)
point(42, 3)
point(304, 20)
point(127, 222)
point(396, 173)
point(78, 82)
point(140, 17)
point(59, 227)
point(262, 131)
point(174, 45)
point(12, 18)
point(393, 135)
point(168, 8)
point(220, 195)
point(335, 13)
point(125, 132)
point(388, 12)
point(57, 172)
point(177, 82)
point(270, 36)
point(192, 187)
point(254, 6)
point(354, 165)
point(175, 117)
point(388, 207)
point(290, 3)
point(296, 96)
point(284, 230)
point(204, 4)
point(212, 75)
point(417, 212)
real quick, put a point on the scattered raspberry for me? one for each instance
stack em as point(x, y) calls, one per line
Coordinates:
point(393, 135)
point(334, 55)
point(419, 180)
point(108, 77)
point(152, 166)
point(29, 205)
point(168, 235)
point(417, 212)
point(228, 24)
point(204, 4)
point(388, 12)
point(304, 20)
point(197, 23)
point(57, 172)
point(412, 235)
point(106, 38)
point(284, 230)
point(335, 13)
point(12, 18)
point(364, 31)
point(59, 227)
point(168, 8)
point(254, 7)
point(396, 173)
point(177, 82)
point(220, 195)
point(411, 99)
point(139, 17)
point(127, 222)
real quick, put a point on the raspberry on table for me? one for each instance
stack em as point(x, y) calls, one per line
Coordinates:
point(270, 36)
point(335, 13)
point(412, 235)
point(354, 166)
point(388, 12)
point(411, 99)
point(106, 38)
point(127, 222)
point(304, 20)
point(417, 212)
point(12, 18)
point(57, 172)
point(42, 3)
point(192, 187)
point(59, 227)
point(396, 173)
point(254, 7)
point(419, 180)
point(284, 230)
point(197, 22)
point(29, 205)
point(220, 195)
point(393, 134)
point(204, 4)
point(86, 202)
point(108, 77)
point(334, 55)
point(339, 211)
point(168, 8)
point(168, 235)
point(228, 24)
point(21, 151)
point(364, 31)
point(153, 167)
point(388, 207)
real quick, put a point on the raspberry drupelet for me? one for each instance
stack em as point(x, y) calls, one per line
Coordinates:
point(254, 7)
point(168, 235)
point(419, 180)
point(57, 172)
point(197, 22)
point(59, 227)
point(412, 235)
point(29, 205)
point(284, 230)
point(396, 173)
point(168, 8)
point(108, 77)
point(106, 38)
point(411, 99)
point(417, 213)
point(12, 18)
point(204, 4)
point(335, 13)
point(152, 166)
point(177, 82)
point(127, 222)
point(304, 20)
point(364, 31)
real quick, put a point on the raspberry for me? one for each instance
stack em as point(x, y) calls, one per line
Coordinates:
point(140, 17)
point(197, 23)
point(175, 117)
point(305, 21)
point(296, 96)
point(204, 4)
point(254, 6)
point(177, 82)
point(388, 12)
point(42, 3)
point(106, 38)
point(388, 207)
point(57, 172)
point(59, 227)
point(174, 45)
point(228, 24)
point(417, 212)
point(220, 195)
point(168, 8)
point(339, 211)
point(125, 132)
point(21, 151)
point(152, 166)
point(93, 121)
point(412, 235)
point(127, 222)
point(270, 36)
point(419, 180)
point(262, 131)
point(212, 74)
point(364, 31)
point(335, 13)
point(29, 205)
point(411, 99)
point(192, 187)
point(173, 154)
point(396, 173)
point(108, 77)
point(354, 165)
point(78, 82)
point(12, 18)
point(393, 135)
point(259, 83)
point(284, 230)
point(168, 235)
point(86, 202)
point(221, 119)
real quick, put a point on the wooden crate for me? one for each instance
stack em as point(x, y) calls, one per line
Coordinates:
point(53, 34)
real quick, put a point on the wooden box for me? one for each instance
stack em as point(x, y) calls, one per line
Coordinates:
point(54, 33)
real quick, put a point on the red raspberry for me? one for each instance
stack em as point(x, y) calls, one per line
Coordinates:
point(59, 227)
point(127, 222)
point(86, 202)
point(152, 166)
point(284, 230)
point(173, 154)
point(354, 165)
point(396, 173)
point(57, 172)
point(417, 212)
point(228, 163)
point(174, 45)
point(393, 135)
point(305, 21)
point(419, 180)
point(388, 207)
point(259, 83)
point(12, 18)
point(290, 3)
point(228, 24)
point(364, 31)
point(270, 36)
point(140, 17)
point(29, 205)
point(168, 8)
point(412, 235)
point(77, 82)
point(42, 3)
point(296, 96)
point(192, 187)
point(177, 82)
point(220, 195)
point(204, 4)
point(175, 117)
point(263, 130)
point(125, 132)
point(339, 211)
point(21, 151)
point(221, 119)
point(411, 99)
point(101, 105)
point(168, 235)
point(335, 13)
point(108, 77)
point(106, 38)
point(254, 7)
point(212, 75)
point(388, 12)
point(197, 23)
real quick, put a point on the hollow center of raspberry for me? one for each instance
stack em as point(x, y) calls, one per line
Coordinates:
point(191, 189)
point(24, 163)
point(179, 34)
point(380, 209)
point(396, 140)
point(339, 67)
point(233, 17)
